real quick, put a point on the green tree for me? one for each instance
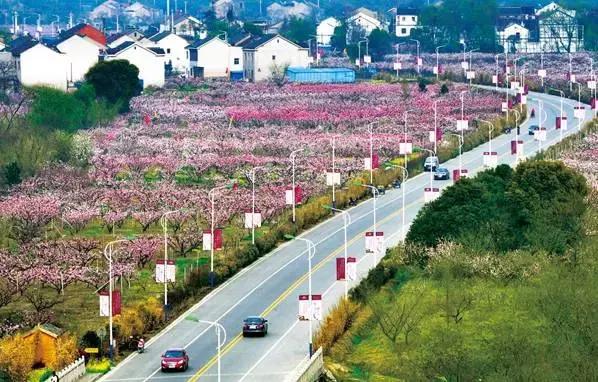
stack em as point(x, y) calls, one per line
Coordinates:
point(299, 30)
point(12, 173)
point(380, 44)
point(56, 109)
point(338, 41)
point(115, 81)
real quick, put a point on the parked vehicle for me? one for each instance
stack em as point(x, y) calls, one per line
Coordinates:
point(442, 173)
point(140, 346)
point(381, 190)
point(431, 164)
point(532, 129)
point(175, 359)
point(255, 325)
point(396, 184)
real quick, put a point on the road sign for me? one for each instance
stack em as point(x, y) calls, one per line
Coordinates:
point(170, 271)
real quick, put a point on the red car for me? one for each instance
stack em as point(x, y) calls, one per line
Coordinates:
point(175, 359)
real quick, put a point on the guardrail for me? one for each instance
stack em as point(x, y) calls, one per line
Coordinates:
point(309, 370)
point(72, 372)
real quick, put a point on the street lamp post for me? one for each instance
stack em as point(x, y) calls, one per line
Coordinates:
point(517, 116)
point(375, 193)
point(293, 157)
point(405, 176)
point(490, 130)
point(164, 223)
point(570, 73)
point(460, 151)
point(471, 64)
point(108, 256)
point(496, 84)
point(561, 114)
point(253, 203)
point(366, 40)
point(310, 254)
point(211, 196)
point(432, 153)
point(397, 63)
point(437, 61)
point(221, 341)
point(333, 144)
point(346, 222)
point(462, 42)
point(417, 41)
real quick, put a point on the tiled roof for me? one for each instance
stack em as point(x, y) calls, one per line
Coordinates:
point(117, 49)
point(159, 36)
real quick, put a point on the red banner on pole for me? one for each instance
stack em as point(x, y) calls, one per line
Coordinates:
point(218, 238)
point(298, 194)
point(340, 268)
point(593, 103)
point(375, 161)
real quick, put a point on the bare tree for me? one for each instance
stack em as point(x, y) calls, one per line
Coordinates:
point(12, 100)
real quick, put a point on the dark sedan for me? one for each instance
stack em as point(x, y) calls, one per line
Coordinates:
point(255, 325)
point(442, 173)
point(175, 359)
point(532, 129)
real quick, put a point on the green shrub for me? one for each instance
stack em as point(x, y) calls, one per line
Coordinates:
point(39, 375)
point(98, 366)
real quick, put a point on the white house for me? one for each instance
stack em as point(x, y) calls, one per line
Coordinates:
point(212, 58)
point(280, 11)
point(551, 28)
point(138, 11)
point(185, 25)
point(114, 40)
point(106, 9)
point(149, 61)
point(264, 54)
point(82, 45)
point(175, 52)
point(405, 20)
point(81, 54)
point(362, 23)
point(38, 64)
point(325, 30)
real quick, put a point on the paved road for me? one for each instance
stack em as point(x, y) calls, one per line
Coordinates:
point(271, 286)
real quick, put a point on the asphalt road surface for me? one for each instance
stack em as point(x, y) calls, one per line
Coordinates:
point(270, 287)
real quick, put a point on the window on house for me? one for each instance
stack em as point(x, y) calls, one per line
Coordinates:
point(236, 61)
point(403, 30)
point(412, 18)
point(168, 50)
point(402, 18)
point(273, 58)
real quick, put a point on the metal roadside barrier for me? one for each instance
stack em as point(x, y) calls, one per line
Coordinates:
point(72, 372)
point(309, 370)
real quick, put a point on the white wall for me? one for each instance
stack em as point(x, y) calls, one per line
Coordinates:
point(325, 30)
point(175, 52)
point(404, 25)
point(216, 56)
point(41, 65)
point(81, 54)
point(277, 51)
point(150, 65)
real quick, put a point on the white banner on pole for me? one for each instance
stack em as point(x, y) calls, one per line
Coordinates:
point(406, 147)
point(397, 66)
point(351, 270)
point(288, 197)
point(523, 99)
point(464, 65)
point(207, 241)
point(495, 79)
point(367, 163)
point(470, 75)
point(462, 124)
point(253, 220)
point(431, 194)
point(490, 159)
point(572, 78)
point(435, 70)
point(367, 59)
point(504, 106)
point(304, 307)
point(540, 134)
point(375, 244)
point(542, 73)
point(592, 84)
point(357, 62)
point(579, 113)
point(514, 85)
point(104, 305)
point(564, 123)
point(333, 178)
point(170, 271)
point(520, 148)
